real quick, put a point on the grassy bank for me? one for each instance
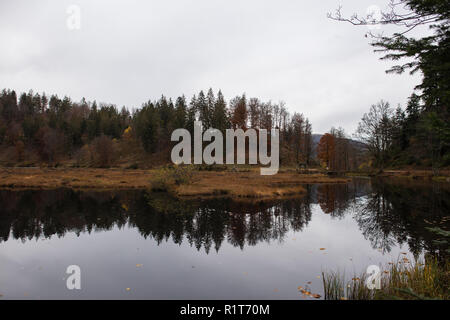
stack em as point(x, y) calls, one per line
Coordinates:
point(237, 183)
point(415, 174)
point(404, 280)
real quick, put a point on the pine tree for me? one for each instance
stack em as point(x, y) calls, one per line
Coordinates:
point(220, 119)
point(202, 107)
point(180, 113)
point(191, 115)
point(211, 101)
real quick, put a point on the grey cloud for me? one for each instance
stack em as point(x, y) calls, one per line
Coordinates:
point(127, 52)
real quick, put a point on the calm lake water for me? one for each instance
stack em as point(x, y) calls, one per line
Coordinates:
point(161, 248)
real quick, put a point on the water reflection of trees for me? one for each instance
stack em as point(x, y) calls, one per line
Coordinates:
point(399, 211)
point(207, 223)
point(386, 212)
point(338, 199)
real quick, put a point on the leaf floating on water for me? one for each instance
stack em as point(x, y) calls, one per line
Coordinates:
point(356, 279)
point(128, 289)
point(300, 288)
point(322, 248)
point(318, 277)
point(315, 295)
point(404, 253)
point(305, 292)
point(343, 298)
point(309, 282)
point(139, 265)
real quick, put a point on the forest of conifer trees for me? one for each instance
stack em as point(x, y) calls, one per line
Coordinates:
point(36, 129)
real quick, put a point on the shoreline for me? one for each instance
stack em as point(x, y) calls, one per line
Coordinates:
point(245, 184)
point(414, 174)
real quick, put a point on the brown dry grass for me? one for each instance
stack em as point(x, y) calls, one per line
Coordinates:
point(46, 178)
point(251, 184)
point(234, 184)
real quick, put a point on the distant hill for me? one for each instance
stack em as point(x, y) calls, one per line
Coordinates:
point(316, 138)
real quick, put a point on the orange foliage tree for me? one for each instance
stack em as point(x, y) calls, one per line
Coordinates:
point(326, 149)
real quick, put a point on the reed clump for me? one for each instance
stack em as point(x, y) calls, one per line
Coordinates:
point(167, 179)
point(404, 280)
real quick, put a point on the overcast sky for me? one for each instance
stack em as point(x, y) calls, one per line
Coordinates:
point(127, 52)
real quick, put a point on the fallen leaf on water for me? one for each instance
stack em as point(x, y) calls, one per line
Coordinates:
point(405, 253)
point(305, 292)
point(139, 265)
point(309, 282)
point(343, 298)
point(356, 279)
point(300, 288)
point(315, 295)
point(318, 277)
point(322, 248)
point(128, 289)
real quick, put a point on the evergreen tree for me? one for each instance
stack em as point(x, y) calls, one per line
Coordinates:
point(191, 115)
point(180, 119)
point(211, 101)
point(220, 119)
point(203, 109)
